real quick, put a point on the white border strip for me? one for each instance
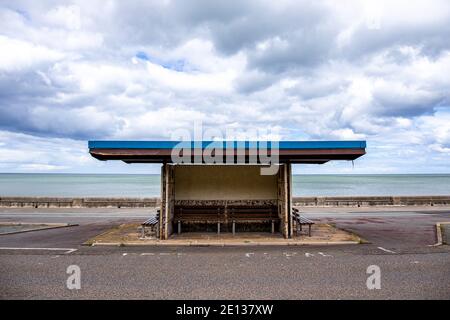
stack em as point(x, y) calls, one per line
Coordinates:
point(386, 250)
point(68, 250)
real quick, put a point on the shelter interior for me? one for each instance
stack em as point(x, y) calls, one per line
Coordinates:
point(224, 198)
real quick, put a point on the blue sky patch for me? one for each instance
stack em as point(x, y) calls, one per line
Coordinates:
point(176, 65)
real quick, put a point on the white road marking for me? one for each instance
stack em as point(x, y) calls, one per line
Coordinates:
point(124, 254)
point(249, 254)
point(67, 250)
point(307, 254)
point(288, 255)
point(325, 255)
point(147, 254)
point(386, 250)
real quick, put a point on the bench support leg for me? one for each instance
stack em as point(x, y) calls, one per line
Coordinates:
point(143, 232)
point(179, 227)
point(309, 230)
point(218, 228)
point(273, 227)
point(234, 227)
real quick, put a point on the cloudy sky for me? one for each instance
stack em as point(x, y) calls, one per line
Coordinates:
point(306, 70)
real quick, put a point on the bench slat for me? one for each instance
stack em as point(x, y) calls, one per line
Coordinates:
point(151, 221)
point(255, 213)
point(304, 220)
point(300, 220)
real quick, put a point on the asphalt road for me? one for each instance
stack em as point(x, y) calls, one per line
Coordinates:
point(33, 265)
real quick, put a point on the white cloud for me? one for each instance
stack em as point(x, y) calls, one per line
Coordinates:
point(216, 82)
point(313, 70)
point(33, 167)
point(64, 16)
point(18, 55)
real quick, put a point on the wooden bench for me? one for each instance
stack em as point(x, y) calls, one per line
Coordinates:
point(253, 214)
point(300, 221)
point(199, 214)
point(151, 222)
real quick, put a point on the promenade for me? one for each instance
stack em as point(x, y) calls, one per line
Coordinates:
point(401, 243)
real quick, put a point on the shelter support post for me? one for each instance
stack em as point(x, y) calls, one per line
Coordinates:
point(285, 200)
point(167, 201)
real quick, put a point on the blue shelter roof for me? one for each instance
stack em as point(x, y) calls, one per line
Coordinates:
point(105, 144)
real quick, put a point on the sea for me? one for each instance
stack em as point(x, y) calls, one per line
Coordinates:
point(142, 185)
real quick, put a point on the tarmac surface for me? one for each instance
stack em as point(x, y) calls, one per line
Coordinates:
point(33, 265)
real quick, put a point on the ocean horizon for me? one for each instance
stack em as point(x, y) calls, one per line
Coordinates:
point(148, 185)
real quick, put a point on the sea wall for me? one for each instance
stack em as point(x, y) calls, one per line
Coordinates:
point(60, 202)
point(63, 202)
point(369, 201)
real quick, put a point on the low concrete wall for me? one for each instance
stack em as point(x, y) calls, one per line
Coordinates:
point(56, 202)
point(371, 201)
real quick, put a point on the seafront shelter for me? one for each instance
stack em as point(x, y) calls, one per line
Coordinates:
point(226, 186)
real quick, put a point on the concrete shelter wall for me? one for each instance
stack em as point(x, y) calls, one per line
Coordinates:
point(223, 182)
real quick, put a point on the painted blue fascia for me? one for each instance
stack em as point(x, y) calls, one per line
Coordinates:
point(103, 144)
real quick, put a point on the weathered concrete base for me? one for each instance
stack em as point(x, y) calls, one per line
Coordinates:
point(129, 235)
point(62, 202)
point(196, 243)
